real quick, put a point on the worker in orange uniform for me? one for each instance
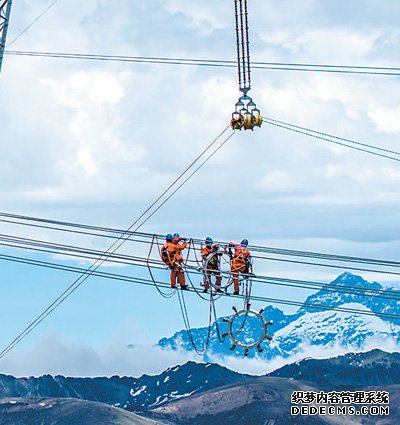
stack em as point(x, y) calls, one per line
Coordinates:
point(240, 262)
point(212, 265)
point(171, 256)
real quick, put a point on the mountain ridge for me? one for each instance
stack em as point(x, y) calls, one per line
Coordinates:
point(180, 394)
point(134, 394)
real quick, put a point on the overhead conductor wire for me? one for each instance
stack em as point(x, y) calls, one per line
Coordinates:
point(148, 282)
point(255, 249)
point(80, 252)
point(271, 66)
point(147, 238)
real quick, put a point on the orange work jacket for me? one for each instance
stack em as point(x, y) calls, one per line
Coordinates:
point(240, 256)
point(174, 250)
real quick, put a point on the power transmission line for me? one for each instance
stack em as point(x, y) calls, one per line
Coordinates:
point(278, 66)
point(129, 260)
point(75, 251)
point(113, 233)
point(148, 282)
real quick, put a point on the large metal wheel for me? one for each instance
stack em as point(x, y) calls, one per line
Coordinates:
point(239, 338)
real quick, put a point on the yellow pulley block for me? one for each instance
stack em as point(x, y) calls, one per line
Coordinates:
point(236, 122)
point(247, 122)
point(257, 120)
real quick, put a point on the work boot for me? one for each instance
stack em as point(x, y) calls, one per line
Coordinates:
point(205, 290)
point(236, 293)
point(218, 290)
point(185, 288)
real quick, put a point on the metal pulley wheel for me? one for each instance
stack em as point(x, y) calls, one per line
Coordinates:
point(245, 343)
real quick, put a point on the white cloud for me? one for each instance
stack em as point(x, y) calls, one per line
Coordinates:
point(58, 355)
point(85, 159)
point(387, 121)
point(86, 87)
point(259, 366)
point(323, 43)
point(203, 15)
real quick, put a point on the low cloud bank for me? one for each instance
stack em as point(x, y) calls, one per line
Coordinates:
point(55, 355)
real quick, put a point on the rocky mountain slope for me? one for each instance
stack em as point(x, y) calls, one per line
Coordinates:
point(350, 370)
point(266, 401)
point(207, 394)
point(57, 411)
point(134, 394)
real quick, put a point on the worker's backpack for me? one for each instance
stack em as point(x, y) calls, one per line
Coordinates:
point(165, 255)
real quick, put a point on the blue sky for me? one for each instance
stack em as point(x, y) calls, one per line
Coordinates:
point(96, 142)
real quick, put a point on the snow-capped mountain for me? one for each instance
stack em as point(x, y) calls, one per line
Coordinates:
point(180, 339)
point(332, 328)
point(352, 283)
point(312, 327)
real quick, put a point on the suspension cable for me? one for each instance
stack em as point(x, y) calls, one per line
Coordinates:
point(238, 44)
point(333, 136)
point(246, 39)
point(332, 140)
